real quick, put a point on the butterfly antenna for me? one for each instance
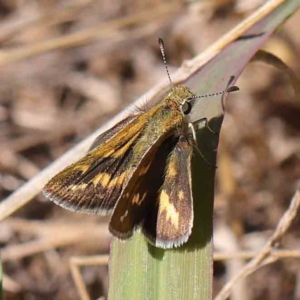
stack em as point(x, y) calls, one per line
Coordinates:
point(231, 89)
point(162, 50)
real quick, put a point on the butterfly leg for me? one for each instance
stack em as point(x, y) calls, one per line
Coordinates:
point(191, 126)
point(206, 124)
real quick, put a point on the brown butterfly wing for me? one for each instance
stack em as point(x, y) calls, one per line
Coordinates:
point(170, 219)
point(94, 183)
point(141, 192)
point(108, 134)
point(159, 199)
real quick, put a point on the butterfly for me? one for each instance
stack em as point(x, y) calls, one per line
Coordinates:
point(139, 171)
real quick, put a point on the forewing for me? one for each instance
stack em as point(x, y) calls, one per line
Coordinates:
point(94, 183)
point(169, 221)
point(111, 132)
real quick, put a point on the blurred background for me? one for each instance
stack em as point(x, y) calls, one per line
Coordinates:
point(67, 67)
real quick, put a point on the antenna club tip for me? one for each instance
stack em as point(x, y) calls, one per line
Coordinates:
point(233, 88)
point(161, 41)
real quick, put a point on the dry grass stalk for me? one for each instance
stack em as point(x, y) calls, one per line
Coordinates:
point(261, 258)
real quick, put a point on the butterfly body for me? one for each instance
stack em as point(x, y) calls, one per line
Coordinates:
point(140, 171)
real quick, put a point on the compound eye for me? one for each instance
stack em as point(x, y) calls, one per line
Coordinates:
point(186, 107)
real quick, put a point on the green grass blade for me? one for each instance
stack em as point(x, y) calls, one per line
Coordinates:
point(141, 271)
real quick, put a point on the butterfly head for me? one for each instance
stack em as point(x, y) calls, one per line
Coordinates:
point(180, 97)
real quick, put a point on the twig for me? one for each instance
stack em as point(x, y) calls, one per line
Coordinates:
point(88, 36)
point(95, 89)
point(15, 26)
point(10, 285)
point(78, 261)
point(276, 62)
point(278, 254)
point(48, 237)
point(266, 252)
point(17, 163)
point(226, 240)
point(59, 130)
